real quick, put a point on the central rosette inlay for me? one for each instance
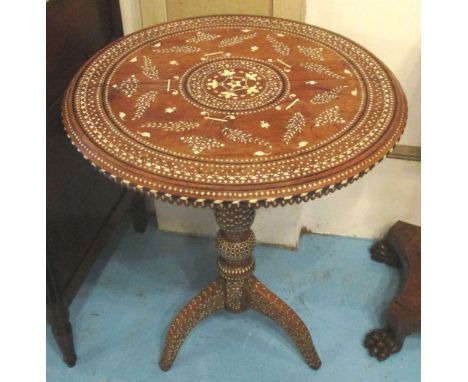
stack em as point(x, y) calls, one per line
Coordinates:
point(234, 85)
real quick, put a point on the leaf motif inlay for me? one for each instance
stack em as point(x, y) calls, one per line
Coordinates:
point(314, 53)
point(178, 49)
point(329, 116)
point(295, 125)
point(149, 69)
point(327, 96)
point(128, 86)
point(201, 36)
point(322, 69)
point(199, 144)
point(172, 126)
point(278, 46)
point(229, 41)
point(143, 103)
point(236, 135)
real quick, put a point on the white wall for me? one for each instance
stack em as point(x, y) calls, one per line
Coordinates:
point(366, 209)
point(390, 192)
point(131, 15)
point(391, 30)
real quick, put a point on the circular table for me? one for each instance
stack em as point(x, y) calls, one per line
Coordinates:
point(234, 113)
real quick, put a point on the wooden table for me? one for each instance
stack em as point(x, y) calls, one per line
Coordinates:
point(234, 113)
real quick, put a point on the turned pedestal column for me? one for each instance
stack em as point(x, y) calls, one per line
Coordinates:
point(237, 289)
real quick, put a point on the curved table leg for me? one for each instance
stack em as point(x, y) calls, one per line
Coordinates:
point(207, 302)
point(265, 301)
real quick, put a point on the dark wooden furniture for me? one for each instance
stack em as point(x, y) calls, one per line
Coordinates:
point(235, 113)
point(400, 248)
point(82, 206)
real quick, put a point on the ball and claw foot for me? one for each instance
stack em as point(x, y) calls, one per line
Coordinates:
point(382, 252)
point(382, 343)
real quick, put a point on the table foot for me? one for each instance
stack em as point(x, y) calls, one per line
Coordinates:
point(207, 302)
point(400, 248)
point(382, 343)
point(266, 302)
point(382, 252)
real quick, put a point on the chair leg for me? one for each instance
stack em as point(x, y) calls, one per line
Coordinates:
point(58, 318)
point(138, 210)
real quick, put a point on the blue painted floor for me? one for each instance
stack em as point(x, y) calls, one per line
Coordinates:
point(122, 312)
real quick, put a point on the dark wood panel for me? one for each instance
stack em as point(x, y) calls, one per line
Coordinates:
point(82, 206)
point(75, 30)
point(79, 200)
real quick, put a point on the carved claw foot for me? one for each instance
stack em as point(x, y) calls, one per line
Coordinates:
point(207, 302)
point(382, 252)
point(266, 302)
point(401, 247)
point(382, 343)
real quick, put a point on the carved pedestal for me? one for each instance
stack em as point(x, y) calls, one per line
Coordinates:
point(237, 290)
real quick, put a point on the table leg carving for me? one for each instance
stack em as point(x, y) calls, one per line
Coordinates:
point(207, 302)
point(237, 289)
point(265, 301)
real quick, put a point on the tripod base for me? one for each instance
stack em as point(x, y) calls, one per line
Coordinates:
point(237, 290)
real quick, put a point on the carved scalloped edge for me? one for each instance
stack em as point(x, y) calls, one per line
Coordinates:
point(211, 203)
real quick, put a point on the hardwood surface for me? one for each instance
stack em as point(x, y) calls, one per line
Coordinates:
point(230, 109)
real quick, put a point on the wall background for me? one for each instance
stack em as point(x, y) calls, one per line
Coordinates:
point(388, 28)
point(391, 30)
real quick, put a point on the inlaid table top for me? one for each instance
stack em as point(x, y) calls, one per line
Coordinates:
point(233, 109)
